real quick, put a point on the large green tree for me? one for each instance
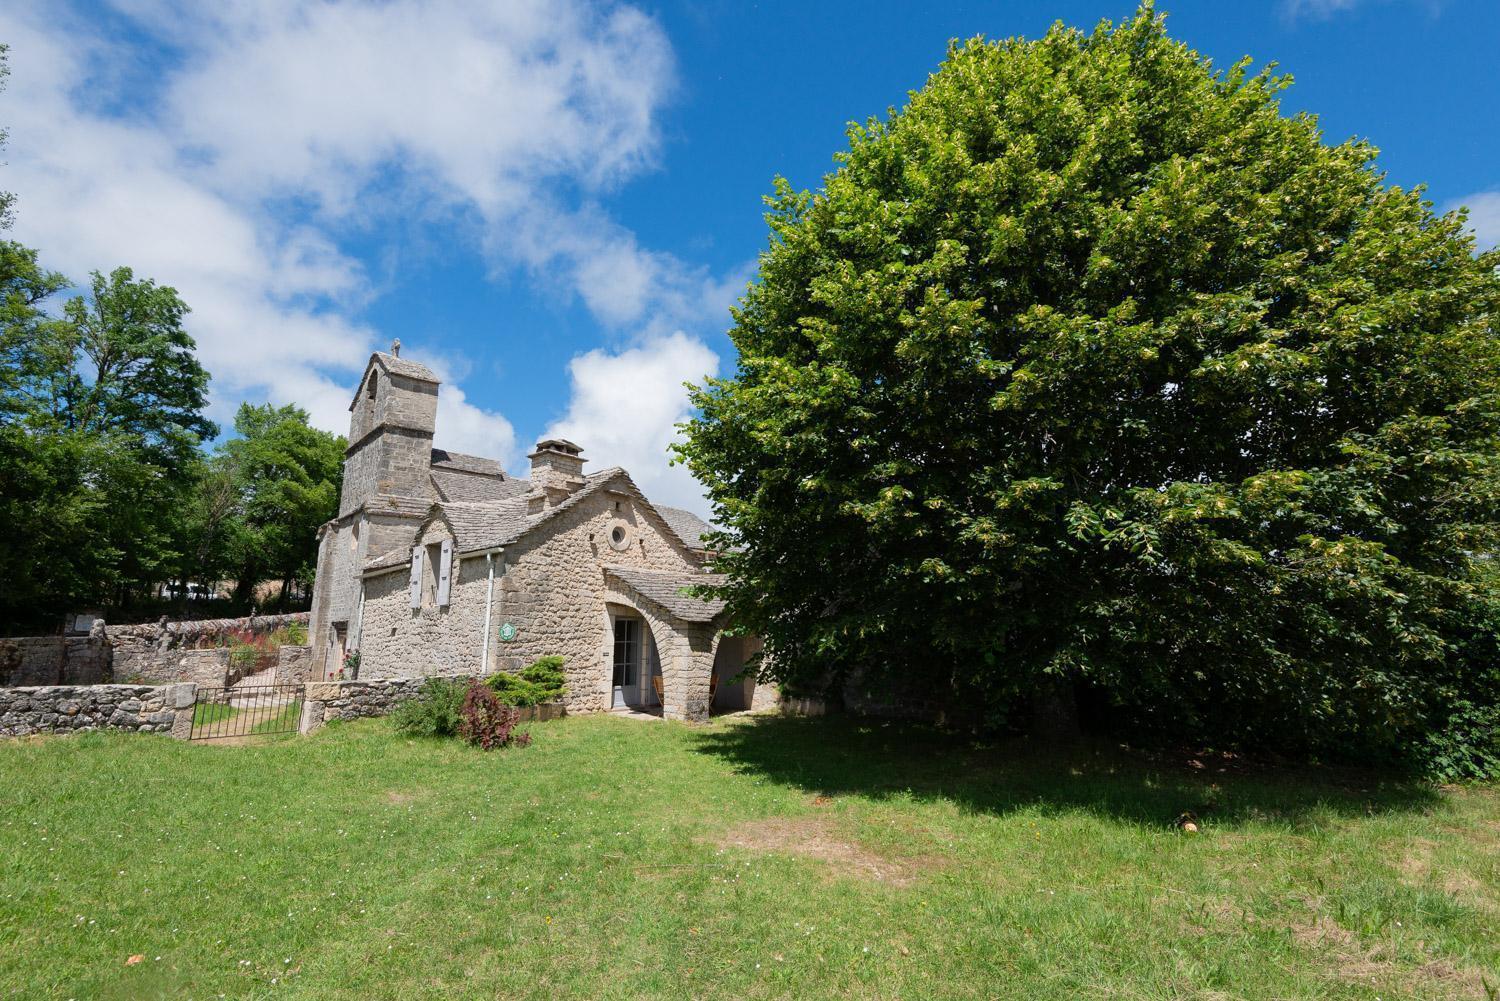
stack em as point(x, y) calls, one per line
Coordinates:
point(42, 511)
point(101, 413)
point(288, 476)
point(1089, 368)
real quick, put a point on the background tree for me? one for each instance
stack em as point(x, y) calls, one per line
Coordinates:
point(103, 415)
point(1090, 369)
point(288, 475)
point(41, 509)
point(105, 491)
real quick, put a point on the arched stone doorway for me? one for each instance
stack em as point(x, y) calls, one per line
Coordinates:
point(633, 669)
point(684, 633)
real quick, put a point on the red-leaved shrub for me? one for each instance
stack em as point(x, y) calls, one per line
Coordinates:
point(485, 723)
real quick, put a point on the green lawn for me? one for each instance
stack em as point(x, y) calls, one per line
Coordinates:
point(282, 720)
point(750, 858)
point(205, 713)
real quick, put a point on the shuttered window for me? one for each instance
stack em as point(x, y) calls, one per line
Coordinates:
point(416, 576)
point(445, 573)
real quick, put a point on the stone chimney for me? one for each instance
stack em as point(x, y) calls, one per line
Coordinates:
point(556, 471)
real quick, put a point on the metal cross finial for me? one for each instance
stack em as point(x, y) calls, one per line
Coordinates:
point(396, 347)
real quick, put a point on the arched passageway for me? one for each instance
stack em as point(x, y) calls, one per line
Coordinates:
point(733, 692)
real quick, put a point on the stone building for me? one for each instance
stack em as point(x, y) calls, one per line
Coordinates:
point(444, 564)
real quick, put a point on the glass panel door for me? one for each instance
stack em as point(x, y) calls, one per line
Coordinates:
point(627, 660)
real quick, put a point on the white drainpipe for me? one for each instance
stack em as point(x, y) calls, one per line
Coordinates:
point(359, 616)
point(489, 601)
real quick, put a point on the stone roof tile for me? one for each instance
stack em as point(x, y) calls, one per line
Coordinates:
point(689, 527)
point(490, 524)
point(444, 459)
point(672, 591)
point(469, 488)
point(405, 367)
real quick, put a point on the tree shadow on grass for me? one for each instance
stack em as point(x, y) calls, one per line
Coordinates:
point(839, 755)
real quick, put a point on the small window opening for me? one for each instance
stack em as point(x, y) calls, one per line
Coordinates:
point(617, 535)
point(430, 577)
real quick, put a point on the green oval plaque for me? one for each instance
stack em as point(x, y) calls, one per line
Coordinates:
point(507, 632)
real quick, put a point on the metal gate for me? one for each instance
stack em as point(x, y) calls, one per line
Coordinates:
point(246, 711)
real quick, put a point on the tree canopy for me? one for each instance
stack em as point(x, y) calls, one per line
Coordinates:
point(286, 475)
point(100, 422)
point(1089, 367)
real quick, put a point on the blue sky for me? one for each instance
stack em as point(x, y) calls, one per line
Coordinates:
point(554, 203)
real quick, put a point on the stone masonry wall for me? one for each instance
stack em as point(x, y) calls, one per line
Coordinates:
point(53, 660)
point(153, 651)
point(156, 652)
point(293, 665)
point(209, 668)
point(201, 667)
point(325, 701)
point(555, 592)
point(77, 708)
point(398, 641)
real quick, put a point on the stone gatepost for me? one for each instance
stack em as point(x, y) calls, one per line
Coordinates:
point(182, 702)
point(315, 698)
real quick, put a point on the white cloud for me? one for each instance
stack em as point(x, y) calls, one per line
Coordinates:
point(624, 408)
point(1484, 216)
point(1322, 10)
point(282, 126)
point(1317, 9)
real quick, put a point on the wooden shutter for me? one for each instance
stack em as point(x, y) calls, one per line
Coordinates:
point(445, 572)
point(416, 576)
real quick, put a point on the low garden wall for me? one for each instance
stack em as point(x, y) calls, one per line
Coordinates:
point(326, 701)
point(294, 665)
point(201, 667)
point(76, 708)
point(169, 708)
point(54, 660)
point(152, 653)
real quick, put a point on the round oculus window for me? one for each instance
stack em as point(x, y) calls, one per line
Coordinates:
point(619, 538)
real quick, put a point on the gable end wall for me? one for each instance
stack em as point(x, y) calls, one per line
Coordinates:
point(552, 591)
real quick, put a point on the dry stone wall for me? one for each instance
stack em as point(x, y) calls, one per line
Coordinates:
point(294, 665)
point(209, 668)
point(152, 653)
point(326, 701)
point(54, 660)
point(79, 708)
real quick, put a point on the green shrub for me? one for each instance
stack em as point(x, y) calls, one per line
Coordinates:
point(539, 682)
point(291, 634)
point(1466, 747)
point(435, 711)
point(244, 656)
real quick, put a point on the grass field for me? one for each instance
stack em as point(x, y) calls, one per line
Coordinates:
point(751, 858)
point(205, 713)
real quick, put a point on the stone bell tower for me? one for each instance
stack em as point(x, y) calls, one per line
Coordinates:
point(387, 490)
point(392, 419)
